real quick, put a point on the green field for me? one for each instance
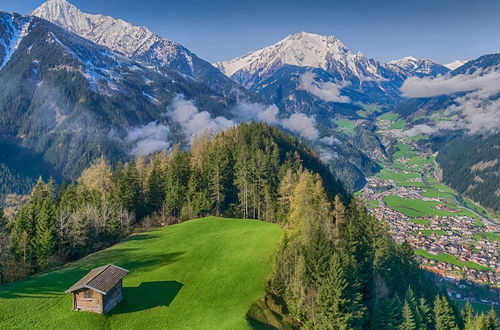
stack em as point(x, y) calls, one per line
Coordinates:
point(432, 193)
point(201, 274)
point(445, 257)
point(386, 174)
point(372, 204)
point(388, 116)
point(414, 207)
point(421, 208)
point(398, 124)
point(423, 222)
point(346, 126)
point(404, 151)
point(493, 237)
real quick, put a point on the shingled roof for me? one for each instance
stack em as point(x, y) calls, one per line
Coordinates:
point(100, 279)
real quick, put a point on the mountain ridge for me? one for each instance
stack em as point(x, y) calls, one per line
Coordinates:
point(140, 44)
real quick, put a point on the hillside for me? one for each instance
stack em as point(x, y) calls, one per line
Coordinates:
point(175, 281)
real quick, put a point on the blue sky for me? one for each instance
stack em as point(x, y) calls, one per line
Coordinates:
point(442, 30)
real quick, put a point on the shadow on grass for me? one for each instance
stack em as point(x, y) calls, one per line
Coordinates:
point(53, 283)
point(148, 295)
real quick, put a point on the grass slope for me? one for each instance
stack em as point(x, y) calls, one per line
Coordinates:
point(450, 259)
point(201, 274)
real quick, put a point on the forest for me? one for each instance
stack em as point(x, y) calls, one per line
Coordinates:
point(470, 167)
point(337, 268)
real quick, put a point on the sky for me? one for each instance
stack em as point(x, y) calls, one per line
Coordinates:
point(441, 30)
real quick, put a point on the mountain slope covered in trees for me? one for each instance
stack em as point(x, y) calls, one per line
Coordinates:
point(71, 101)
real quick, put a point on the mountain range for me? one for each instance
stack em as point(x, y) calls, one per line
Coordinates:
point(78, 86)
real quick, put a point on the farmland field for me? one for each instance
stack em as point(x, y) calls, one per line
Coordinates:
point(414, 207)
point(493, 237)
point(386, 174)
point(449, 259)
point(201, 274)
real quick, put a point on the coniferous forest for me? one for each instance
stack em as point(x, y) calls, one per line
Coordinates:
point(337, 267)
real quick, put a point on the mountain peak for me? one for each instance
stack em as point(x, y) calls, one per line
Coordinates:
point(455, 64)
point(302, 49)
point(412, 66)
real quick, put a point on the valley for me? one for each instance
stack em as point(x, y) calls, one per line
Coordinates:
point(453, 236)
point(285, 181)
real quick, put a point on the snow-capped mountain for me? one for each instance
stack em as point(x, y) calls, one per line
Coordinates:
point(138, 43)
point(412, 66)
point(455, 64)
point(303, 50)
point(70, 100)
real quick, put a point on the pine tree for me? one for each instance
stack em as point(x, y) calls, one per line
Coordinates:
point(467, 313)
point(414, 308)
point(408, 318)
point(339, 306)
point(45, 239)
point(492, 322)
point(443, 314)
point(155, 194)
point(425, 313)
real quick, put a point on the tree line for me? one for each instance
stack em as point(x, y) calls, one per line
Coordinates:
point(235, 173)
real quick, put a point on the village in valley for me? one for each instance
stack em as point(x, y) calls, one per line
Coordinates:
point(453, 238)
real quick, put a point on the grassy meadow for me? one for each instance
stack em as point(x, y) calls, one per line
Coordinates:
point(450, 259)
point(201, 274)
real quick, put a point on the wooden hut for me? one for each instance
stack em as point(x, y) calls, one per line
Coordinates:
point(99, 291)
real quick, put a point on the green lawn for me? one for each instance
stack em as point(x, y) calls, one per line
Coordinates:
point(386, 174)
point(432, 193)
point(404, 150)
point(414, 207)
point(388, 116)
point(346, 125)
point(421, 222)
point(398, 124)
point(411, 184)
point(201, 274)
point(372, 204)
point(449, 259)
point(493, 237)
point(433, 232)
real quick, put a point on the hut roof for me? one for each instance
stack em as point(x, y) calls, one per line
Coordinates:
point(100, 279)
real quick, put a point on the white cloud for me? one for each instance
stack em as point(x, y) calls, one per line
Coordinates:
point(194, 122)
point(420, 129)
point(303, 125)
point(330, 140)
point(149, 138)
point(327, 91)
point(478, 111)
point(258, 112)
point(488, 84)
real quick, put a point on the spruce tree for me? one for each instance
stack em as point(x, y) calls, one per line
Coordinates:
point(425, 313)
point(492, 322)
point(408, 318)
point(155, 194)
point(443, 314)
point(339, 306)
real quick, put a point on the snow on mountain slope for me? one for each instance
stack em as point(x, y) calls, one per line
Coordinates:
point(138, 43)
point(455, 64)
point(303, 50)
point(115, 34)
point(12, 30)
point(412, 66)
